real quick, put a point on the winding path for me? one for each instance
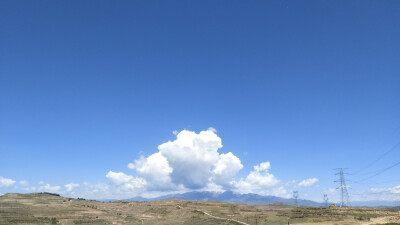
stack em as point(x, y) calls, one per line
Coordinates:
point(220, 218)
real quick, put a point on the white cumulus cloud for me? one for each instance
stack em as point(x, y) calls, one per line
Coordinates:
point(193, 162)
point(155, 170)
point(118, 178)
point(261, 181)
point(5, 182)
point(192, 157)
point(190, 162)
point(226, 168)
point(308, 182)
point(125, 182)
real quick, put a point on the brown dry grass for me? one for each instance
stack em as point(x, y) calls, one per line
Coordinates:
point(51, 209)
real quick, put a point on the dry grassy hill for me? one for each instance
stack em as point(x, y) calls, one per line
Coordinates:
point(45, 208)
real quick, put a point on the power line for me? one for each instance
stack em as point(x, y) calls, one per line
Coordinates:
point(344, 193)
point(378, 182)
point(379, 172)
point(379, 158)
point(374, 193)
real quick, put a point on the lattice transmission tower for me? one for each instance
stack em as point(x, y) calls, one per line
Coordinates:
point(296, 196)
point(344, 195)
point(326, 200)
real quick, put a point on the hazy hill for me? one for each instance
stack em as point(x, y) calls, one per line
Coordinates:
point(232, 197)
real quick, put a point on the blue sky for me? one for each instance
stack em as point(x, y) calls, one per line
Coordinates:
point(88, 87)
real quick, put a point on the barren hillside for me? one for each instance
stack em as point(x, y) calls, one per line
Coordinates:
point(53, 209)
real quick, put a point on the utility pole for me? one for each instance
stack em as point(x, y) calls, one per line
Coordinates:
point(344, 195)
point(326, 200)
point(296, 196)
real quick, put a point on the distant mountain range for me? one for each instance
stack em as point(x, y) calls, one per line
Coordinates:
point(379, 204)
point(232, 197)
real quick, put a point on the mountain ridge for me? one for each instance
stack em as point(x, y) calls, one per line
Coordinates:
point(251, 198)
point(231, 197)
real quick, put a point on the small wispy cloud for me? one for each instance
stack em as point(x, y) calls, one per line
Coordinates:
point(69, 187)
point(308, 182)
point(212, 129)
point(24, 183)
point(49, 188)
point(6, 182)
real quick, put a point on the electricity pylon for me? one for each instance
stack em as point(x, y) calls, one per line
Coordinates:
point(326, 200)
point(296, 196)
point(344, 195)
